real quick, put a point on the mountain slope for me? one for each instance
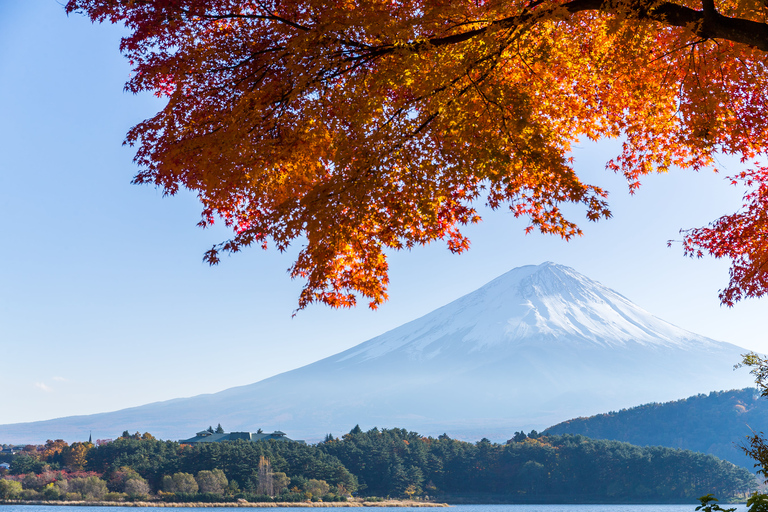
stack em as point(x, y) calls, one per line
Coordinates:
point(535, 346)
point(716, 423)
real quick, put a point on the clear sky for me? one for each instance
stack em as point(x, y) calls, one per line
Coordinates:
point(105, 302)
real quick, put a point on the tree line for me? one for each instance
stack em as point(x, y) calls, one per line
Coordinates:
point(140, 466)
point(388, 462)
point(534, 468)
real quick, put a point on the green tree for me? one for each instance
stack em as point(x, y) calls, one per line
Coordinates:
point(757, 503)
point(23, 464)
point(519, 437)
point(136, 488)
point(317, 488)
point(10, 489)
point(280, 481)
point(117, 479)
point(214, 481)
point(709, 504)
point(90, 488)
point(51, 492)
point(180, 483)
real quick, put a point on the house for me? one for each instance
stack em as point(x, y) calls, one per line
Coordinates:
point(10, 449)
point(206, 436)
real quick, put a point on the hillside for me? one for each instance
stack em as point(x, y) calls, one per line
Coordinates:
point(715, 423)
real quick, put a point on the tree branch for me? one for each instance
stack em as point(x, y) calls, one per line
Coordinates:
point(709, 24)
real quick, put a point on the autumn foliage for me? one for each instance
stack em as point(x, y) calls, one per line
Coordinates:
point(353, 127)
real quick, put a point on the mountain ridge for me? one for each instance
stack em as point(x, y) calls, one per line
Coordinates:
point(715, 423)
point(535, 346)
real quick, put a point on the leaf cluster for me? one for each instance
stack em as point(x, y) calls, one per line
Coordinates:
point(366, 126)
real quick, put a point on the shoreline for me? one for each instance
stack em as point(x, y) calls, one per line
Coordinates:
point(239, 504)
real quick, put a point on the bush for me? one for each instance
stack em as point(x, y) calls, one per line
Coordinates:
point(181, 483)
point(50, 492)
point(62, 486)
point(118, 478)
point(32, 481)
point(212, 481)
point(73, 496)
point(202, 497)
point(29, 494)
point(136, 488)
point(317, 488)
point(10, 489)
point(253, 498)
point(90, 488)
point(115, 496)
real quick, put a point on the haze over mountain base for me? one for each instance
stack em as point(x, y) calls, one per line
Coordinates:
point(534, 347)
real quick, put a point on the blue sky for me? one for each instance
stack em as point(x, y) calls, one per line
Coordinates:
point(105, 302)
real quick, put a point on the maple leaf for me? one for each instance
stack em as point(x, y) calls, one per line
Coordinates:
point(369, 125)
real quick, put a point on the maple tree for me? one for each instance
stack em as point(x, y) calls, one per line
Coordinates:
point(358, 126)
point(75, 455)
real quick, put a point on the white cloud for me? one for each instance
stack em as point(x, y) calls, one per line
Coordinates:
point(60, 379)
point(43, 386)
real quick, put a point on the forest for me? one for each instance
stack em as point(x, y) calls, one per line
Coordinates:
point(393, 463)
point(533, 468)
point(717, 423)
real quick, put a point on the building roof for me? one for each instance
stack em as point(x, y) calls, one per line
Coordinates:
point(206, 437)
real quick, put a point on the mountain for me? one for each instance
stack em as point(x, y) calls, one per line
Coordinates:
point(717, 423)
point(538, 345)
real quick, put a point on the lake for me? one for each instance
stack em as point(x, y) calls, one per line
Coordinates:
point(455, 508)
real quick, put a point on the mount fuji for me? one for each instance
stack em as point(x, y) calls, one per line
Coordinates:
point(535, 346)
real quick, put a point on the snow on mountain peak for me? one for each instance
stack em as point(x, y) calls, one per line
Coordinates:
point(534, 304)
point(534, 347)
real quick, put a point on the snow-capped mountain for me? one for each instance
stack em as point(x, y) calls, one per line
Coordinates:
point(538, 345)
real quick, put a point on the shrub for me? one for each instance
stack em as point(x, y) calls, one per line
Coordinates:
point(136, 488)
point(10, 489)
point(317, 487)
point(90, 488)
point(253, 498)
point(115, 496)
point(32, 481)
point(183, 483)
point(212, 481)
point(29, 494)
point(50, 492)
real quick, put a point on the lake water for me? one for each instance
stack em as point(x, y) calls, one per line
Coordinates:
point(455, 508)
